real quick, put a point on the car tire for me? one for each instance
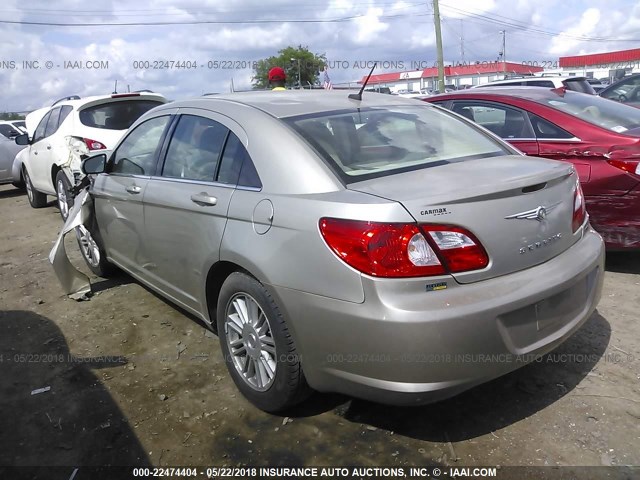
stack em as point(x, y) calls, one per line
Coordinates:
point(36, 199)
point(269, 374)
point(92, 249)
point(63, 195)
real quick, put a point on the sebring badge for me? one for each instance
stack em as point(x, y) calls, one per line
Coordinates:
point(538, 213)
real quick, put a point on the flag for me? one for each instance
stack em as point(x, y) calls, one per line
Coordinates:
point(326, 82)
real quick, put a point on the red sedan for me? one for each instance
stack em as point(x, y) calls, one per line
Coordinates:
point(600, 137)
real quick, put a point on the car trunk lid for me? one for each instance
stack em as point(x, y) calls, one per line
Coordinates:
point(520, 208)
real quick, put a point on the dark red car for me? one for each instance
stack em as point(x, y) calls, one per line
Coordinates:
point(600, 137)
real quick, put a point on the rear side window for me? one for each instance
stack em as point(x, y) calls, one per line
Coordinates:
point(544, 129)
point(236, 167)
point(64, 113)
point(136, 154)
point(194, 149)
point(52, 124)
point(39, 133)
point(116, 115)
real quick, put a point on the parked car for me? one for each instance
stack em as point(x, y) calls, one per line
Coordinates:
point(600, 138)
point(11, 129)
point(577, 84)
point(625, 91)
point(69, 130)
point(8, 152)
point(358, 246)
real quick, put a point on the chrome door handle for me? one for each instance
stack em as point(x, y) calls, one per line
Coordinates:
point(134, 189)
point(204, 199)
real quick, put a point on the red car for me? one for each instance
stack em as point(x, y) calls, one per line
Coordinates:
point(600, 137)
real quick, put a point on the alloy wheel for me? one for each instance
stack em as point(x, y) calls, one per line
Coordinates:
point(88, 245)
point(62, 199)
point(250, 342)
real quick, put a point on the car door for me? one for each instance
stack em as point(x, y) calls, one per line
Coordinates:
point(556, 143)
point(508, 122)
point(185, 206)
point(39, 156)
point(119, 192)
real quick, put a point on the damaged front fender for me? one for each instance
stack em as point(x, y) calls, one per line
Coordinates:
point(74, 283)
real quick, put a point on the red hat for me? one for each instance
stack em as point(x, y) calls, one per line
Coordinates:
point(276, 74)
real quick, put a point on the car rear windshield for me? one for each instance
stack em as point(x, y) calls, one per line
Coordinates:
point(599, 111)
point(373, 142)
point(116, 115)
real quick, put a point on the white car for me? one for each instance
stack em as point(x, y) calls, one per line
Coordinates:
point(67, 132)
point(12, 128)
point(577, 84)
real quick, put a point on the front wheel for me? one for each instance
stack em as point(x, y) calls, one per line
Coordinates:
point(93, 252)
point(258, 349)
point(36, 199)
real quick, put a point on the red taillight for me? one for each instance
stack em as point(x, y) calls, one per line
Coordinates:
point(403, 250)
point(94, 144)
point(626, 158)
point(630, 166)
point(460, 250)
point(579, 208)
point(124, 95)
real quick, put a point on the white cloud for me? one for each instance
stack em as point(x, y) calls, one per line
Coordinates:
point(369, 27)
point(587, 26)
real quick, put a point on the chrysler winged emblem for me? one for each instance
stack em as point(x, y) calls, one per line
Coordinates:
point(538, 213)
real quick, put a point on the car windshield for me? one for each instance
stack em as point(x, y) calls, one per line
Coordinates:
point(598, 111)
point(116, 115)
point(372, 142)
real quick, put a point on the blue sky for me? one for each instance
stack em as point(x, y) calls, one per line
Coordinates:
point(353, 31)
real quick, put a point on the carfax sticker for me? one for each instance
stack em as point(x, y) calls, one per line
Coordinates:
point(431, 287)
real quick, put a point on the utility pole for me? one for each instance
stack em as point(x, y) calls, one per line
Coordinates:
point(436, 21)
point(504, 49)
point(461, 41)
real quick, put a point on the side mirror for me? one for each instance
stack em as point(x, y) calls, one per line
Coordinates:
point(94, 164)
point(22, 139)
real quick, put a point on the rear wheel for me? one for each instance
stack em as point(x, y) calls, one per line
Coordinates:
point(36, 198)
point(257, 346)
point(93, 251)
point(65, 200)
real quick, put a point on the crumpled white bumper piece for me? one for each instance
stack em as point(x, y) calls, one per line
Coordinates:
point(74, 283)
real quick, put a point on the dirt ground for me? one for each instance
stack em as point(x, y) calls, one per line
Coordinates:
point(135, 381)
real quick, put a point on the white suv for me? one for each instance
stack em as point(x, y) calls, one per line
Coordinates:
point(577, 84)
point(70, 130)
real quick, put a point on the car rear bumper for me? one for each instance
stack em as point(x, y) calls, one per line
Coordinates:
point(407, 345)
point(617, 219)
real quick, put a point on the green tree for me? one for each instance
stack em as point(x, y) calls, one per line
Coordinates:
point(290, 59)
point(10, 116)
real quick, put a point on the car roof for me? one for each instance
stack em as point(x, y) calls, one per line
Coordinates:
point(536, 94)
point(79, 102)
point(291, 103)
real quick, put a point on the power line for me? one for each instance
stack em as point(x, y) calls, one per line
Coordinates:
point(205, 22)
point(516, 24)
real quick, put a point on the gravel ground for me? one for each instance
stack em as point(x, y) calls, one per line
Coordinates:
point(135, 381)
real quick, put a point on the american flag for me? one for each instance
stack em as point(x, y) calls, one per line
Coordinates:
point(326, 82)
